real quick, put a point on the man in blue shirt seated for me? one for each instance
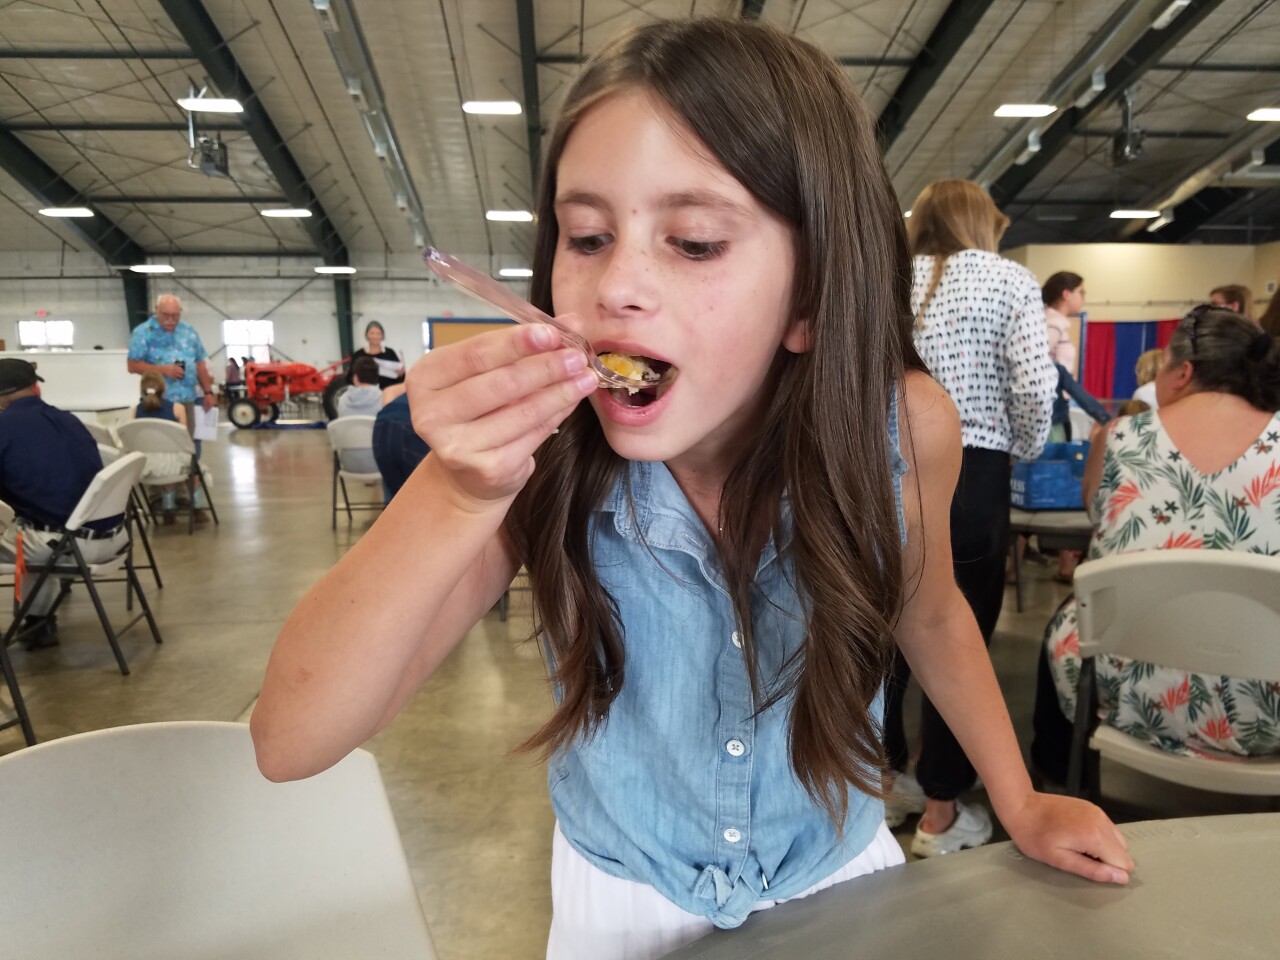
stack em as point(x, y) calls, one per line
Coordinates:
point(47, 461)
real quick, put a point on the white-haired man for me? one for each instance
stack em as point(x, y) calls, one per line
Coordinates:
point(165, 345)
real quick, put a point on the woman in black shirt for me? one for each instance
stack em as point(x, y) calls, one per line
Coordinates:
point(390, 366)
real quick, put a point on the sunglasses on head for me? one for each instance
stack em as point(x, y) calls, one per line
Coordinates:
point(1193, 318)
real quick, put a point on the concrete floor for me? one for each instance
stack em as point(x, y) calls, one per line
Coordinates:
point(475, 820)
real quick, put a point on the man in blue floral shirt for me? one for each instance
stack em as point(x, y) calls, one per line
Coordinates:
point(171, 348)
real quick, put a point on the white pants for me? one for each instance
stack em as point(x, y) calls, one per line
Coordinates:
point(38, 546)
point(599, 917)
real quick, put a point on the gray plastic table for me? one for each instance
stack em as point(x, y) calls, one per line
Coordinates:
point(1204, 887)
point(1069, 530)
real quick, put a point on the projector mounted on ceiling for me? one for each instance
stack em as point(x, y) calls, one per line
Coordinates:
point(210, 158)
point(1126, 144)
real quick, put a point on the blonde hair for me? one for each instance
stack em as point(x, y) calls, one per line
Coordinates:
point(152, 392)
point(1148, 366)
point(947, 217)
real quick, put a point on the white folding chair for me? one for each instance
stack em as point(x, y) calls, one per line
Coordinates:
point(352, 442)
point(135, 515)
point(20, 715)
point(163, 840)
point(106, 497)
point(101, 433)
point(149, 435)
point(1215, 612)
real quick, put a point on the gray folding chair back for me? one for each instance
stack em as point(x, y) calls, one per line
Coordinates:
point(1213, 612)
point(352, 442)
point(109, 453)
point(108, 495)
point(149, 435)
point(101, 433)
point(163, 840)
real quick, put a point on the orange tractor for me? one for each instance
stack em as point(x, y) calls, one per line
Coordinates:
point(269, 385)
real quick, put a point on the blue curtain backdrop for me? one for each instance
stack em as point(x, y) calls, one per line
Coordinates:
point(1130, 340)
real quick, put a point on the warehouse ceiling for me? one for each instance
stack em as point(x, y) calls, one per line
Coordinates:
point(354, 111)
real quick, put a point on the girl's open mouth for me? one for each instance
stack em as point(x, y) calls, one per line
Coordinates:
point(638, 367)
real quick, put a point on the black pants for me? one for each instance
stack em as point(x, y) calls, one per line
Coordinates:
point(979, 548)
point(1051, 744)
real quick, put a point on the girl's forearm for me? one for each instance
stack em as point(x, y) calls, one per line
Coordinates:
point(955, 670)
point(343, 654)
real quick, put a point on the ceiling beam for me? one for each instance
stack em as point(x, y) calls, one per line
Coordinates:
point(191, 198)
point(119, 126)
point(1145, 52)
point(44, 183)
point(1156, 134)
point(1219, 67)
point(201, 34)
point(532, 100)
point(92, 54)
point(1199, 196)
point(958, 21)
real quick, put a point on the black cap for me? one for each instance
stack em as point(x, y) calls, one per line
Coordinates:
point(16, 375)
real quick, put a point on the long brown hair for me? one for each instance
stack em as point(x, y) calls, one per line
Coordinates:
point(947, 217)
point(1270, 319)
point(785, 122)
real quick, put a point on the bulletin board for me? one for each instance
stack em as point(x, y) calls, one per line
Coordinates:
point(442, 331)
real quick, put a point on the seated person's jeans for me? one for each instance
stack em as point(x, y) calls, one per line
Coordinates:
point(398, 451)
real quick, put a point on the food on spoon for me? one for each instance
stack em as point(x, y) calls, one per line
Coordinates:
point(631, 367)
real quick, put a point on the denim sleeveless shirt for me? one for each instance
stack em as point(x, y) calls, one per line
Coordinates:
point(682, 788)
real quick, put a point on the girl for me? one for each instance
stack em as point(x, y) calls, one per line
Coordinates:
point(154, 406)
point(718, 564)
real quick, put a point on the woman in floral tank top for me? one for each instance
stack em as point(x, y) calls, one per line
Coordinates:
point(1201, 472)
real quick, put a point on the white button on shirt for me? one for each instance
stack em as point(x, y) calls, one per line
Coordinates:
point(736, 748)
point(732, 835)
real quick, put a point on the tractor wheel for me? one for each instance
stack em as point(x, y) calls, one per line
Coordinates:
point(336, 388)
point(244, 414)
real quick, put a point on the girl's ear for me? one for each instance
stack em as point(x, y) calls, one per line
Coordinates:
point(799, 336)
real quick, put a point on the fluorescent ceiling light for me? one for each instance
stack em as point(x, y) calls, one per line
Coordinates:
point(1166, 16)
point(210, 105)
point(1025, 109)
point(342, 270)
point(515, 216)
point(494, 107)
point(1271, 114)
point(151, 268)
point(285, 212)
point(66, 212)
point(515, 272)
point(1134, 214)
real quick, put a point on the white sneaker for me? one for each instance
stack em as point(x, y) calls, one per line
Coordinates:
point(905, 798)
point(971, 828)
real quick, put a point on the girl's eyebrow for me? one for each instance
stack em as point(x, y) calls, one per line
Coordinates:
point(670, 201)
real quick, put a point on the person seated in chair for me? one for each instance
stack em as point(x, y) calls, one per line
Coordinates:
point(1200, 472)
point(364, 397)
point(47, 461)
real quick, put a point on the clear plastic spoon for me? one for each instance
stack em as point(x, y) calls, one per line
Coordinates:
point(484, 287)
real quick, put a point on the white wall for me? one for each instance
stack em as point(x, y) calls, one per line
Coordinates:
point(94, 299)
point(1143, 281)
point(400, 295)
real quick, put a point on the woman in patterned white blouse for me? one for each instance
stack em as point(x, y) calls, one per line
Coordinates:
point(980, 327)
point(1200, 473)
